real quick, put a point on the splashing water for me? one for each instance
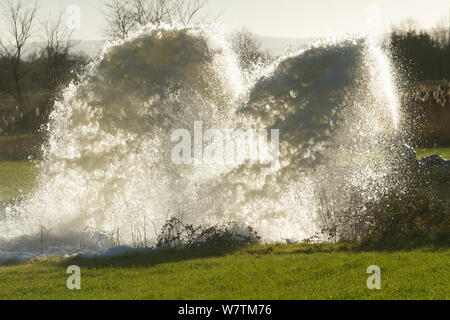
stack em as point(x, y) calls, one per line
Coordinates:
point(107, 168)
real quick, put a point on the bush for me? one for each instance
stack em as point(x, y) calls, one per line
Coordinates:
point(426, 113)
point(176, 234)
point(413, 218)
point(406, 218)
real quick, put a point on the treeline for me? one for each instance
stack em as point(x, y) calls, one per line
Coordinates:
point(39, 87)
point(32, 74)
point(30, 82)
point(419, 54)
point(423, 59)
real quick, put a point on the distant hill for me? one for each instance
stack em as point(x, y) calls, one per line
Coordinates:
point(276, 46)
point(89, 47)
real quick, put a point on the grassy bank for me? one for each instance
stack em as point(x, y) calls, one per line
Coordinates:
point(442, 151)
point(261, 272)
point(16, 178)
point(15, 148)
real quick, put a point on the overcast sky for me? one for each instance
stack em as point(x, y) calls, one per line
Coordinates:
point(284, 18)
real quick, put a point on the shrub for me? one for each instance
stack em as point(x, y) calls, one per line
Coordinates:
point(176, 234)
point(413, 218)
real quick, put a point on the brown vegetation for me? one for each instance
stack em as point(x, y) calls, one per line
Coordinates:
point(427, 113)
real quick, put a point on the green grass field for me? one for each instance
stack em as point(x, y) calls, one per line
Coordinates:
point(443, 152)
point(16, 178)
point(261, 272)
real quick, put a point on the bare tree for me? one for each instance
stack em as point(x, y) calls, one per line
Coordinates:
point(120, 20)
point(126, 16)
point(407, 26)
point(248, 49)
point(56, 51)
point(153, 11)
point(186, 11)
point(20, 20)
point(440, 33)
